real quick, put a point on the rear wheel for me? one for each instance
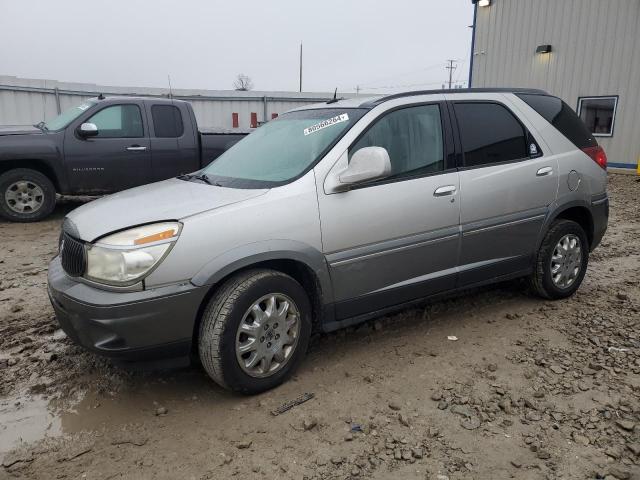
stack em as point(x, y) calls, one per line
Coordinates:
point(561, 262)
point(255, 331)
point(26, 195)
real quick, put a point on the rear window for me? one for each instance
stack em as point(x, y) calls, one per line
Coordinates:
point(167, 121)
point(561, 116)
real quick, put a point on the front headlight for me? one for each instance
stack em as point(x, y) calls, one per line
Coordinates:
point(124, 258)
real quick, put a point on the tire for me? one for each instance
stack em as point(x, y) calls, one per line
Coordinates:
point(220, 336)
point(543, 282)
point(31, 187)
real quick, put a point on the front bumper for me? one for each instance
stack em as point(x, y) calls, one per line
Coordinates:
point(143, 325)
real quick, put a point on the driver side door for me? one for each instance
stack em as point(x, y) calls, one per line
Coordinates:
point(396, 239)
point(119, 157)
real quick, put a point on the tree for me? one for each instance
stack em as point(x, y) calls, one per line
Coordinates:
point(243, 83)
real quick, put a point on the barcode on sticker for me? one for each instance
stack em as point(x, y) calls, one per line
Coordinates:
point(327, 123)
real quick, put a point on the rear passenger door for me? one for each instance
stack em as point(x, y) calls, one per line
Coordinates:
point(507, 182)
point(174, 150)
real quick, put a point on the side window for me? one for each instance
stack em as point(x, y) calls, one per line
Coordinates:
point(118, 121)
point(167, 121)
point(490, 134)
point(561, 116)
point(413, 138)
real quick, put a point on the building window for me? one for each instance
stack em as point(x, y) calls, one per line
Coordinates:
point(598, 114)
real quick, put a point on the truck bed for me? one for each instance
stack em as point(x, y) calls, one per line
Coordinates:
point(214, 141)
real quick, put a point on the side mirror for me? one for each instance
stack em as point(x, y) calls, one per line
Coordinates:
point(87, 130)
point(367, 164)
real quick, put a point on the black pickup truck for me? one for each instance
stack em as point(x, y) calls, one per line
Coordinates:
point(102, 146)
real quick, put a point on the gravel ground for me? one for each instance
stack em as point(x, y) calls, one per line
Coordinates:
point(530, 389)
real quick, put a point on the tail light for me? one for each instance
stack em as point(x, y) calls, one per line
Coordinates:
point(597, 155)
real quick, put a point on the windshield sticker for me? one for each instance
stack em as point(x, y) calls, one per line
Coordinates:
point(327, 123)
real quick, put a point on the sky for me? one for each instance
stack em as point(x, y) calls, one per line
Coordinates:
point(376, 46)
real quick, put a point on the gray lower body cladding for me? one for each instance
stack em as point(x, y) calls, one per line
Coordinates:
point(141, 325)
point(600, 214)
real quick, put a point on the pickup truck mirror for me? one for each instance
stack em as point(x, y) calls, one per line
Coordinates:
point(367, 164)
point(87, 130)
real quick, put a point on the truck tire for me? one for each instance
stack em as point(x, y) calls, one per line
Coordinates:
point(255, 331)
point(26, 195)
point(561, 262)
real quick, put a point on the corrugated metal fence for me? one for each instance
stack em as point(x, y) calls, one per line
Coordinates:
point(26, 101)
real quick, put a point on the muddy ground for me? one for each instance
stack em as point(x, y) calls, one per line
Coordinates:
point(530, 389)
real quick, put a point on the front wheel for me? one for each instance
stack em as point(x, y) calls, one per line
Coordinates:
point(561, 262)
point(26, 195)
point(255, 331)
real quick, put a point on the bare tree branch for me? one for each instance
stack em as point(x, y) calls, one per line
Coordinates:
point(243, 83)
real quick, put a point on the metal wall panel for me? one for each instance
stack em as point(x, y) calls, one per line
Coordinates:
point(596, 51)
point(26, 101)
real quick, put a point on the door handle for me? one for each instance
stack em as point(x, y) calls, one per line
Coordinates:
point(444, 190)
point(544, 171)
point(136, 148)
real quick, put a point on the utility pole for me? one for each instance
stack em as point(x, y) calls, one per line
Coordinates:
point(357, 89)
point(451, 67)
point(301, 68)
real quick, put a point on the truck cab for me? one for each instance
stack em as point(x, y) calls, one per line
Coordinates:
point(101, 146)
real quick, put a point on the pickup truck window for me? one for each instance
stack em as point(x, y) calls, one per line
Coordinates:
point(66, 117)
point(167, 121)
point(282, 149)
point(118, 121)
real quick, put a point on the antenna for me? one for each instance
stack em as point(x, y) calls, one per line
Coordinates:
point(170, 90)
point(335, 97)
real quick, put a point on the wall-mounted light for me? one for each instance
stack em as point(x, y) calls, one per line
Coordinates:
point(484, 3)
point(543, 49)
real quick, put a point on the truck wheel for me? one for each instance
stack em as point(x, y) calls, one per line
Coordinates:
point(26, 195)
point(561, 262)
point(255, 331)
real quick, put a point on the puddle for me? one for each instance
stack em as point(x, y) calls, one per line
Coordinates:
point(25, 418)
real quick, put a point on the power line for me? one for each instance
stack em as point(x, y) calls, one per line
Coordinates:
point(430, 67)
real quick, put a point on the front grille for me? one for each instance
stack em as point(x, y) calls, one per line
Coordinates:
point(72, 255)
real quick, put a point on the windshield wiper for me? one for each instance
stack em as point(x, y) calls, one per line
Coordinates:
point(203, 178)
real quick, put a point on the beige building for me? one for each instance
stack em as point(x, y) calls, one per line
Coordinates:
point(585, 51)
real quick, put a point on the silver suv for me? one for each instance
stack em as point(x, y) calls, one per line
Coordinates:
point(328, 216)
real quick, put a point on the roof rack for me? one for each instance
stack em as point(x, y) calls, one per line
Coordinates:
point(380, 100)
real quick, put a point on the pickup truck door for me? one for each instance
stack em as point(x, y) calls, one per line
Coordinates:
point(118, 158)
point(174, 140)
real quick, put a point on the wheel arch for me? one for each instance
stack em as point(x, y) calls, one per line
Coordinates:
point(577, 211)
point(33, 164)
point(301, 262)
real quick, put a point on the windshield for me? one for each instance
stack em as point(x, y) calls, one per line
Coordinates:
point(282, 149)
point(66, 117)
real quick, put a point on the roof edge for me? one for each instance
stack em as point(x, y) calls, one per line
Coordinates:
point(456, 90)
